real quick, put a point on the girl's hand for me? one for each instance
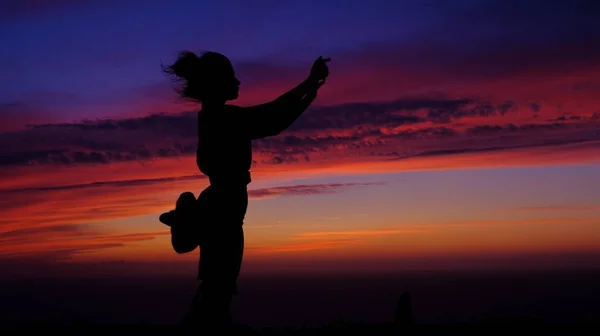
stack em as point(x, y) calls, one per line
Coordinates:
point(319, 70)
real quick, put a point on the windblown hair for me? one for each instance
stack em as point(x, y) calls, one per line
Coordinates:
point(196, 73)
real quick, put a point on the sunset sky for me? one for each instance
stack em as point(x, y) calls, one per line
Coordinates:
point(450, 134)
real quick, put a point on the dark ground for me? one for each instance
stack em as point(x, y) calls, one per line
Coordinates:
point(445, 300)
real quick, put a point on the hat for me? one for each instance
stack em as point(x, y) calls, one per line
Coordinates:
point(184, 209)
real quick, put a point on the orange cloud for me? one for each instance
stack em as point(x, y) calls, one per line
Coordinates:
point(78, 203)
point(444, 238)
point(56, 245)
point(308, 246)
point(433, 244)
point(59, 218)
point(358, 233)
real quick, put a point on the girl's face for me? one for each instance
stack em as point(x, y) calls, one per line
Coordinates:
point(223, 83)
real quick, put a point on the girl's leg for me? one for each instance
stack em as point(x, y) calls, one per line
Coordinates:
point(221, 265)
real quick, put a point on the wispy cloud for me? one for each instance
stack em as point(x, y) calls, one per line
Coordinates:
point(472, 237)
point(557, 208)
point(300, 247)
point(358, 233)
point(61, 218)
point(398, 129)
point(304, 189)
point(52, 244)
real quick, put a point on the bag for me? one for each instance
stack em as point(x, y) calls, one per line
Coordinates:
point(184, 222)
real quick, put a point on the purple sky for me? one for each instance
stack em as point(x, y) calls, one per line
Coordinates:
point(69, 60)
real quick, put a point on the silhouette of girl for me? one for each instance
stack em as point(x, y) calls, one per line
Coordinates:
point(225, 132)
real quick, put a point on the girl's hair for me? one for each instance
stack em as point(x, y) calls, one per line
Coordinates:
point(196, 73)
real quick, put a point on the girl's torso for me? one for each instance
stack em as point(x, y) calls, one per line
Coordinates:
point(224, 154)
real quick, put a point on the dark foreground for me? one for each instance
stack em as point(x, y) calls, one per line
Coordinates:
point(368, 304)
point(514, 327)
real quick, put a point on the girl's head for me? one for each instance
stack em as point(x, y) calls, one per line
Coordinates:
point(208, 78)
